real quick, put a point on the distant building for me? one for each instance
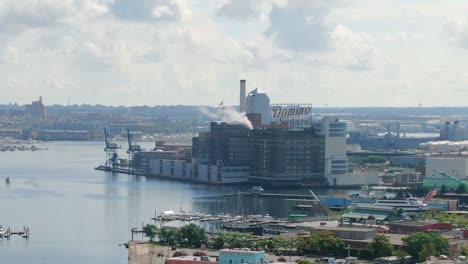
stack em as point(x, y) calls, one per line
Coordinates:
point(258, 102)
point(52, 135)
point(401, 176)
point(449, 170)
point(11, 133)
point(37, 109)
point(453, 165)
point(387, 142)
point(453, 132)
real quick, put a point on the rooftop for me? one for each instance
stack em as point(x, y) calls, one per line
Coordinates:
point(409, 223)
point(344, 228)
point(195, 258)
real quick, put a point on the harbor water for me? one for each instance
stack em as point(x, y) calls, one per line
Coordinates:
point(79, 215)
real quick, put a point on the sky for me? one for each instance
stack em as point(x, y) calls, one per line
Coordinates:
point(334, 53)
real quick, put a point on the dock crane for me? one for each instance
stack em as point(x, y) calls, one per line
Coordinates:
point(111, 151)
point(452, 177)
point(132, 148)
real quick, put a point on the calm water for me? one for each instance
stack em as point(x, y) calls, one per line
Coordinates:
point(79, 215)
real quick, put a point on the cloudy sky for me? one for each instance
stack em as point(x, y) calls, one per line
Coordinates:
point(150, 52)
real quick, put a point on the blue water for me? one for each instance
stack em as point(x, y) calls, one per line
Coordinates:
point(77, 214)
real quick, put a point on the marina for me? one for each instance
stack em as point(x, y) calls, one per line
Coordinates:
point(98, 209)
point(116, 202)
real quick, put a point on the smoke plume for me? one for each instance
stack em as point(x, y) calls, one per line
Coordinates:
point(228, 115)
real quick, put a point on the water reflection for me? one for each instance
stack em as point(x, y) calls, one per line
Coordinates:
point(68, 204)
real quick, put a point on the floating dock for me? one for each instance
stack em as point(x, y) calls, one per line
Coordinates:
point(302, 197)
point(25, 233)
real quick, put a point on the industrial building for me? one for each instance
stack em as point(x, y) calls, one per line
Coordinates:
point(284, 147)
point(387, 142)
point(78, 135)
point(274, 155)
point(449, 170)
point(453, 132)
point(258, 102)
point(453, 165)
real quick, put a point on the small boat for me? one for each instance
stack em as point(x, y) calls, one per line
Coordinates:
point(7, 180)
point(257, 189)
point(245, 227)
point(2, 231)
point(26, 232)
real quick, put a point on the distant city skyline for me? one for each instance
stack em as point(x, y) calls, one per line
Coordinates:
point(333, 53)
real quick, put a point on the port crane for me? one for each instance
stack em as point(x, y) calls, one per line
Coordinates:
point(132, 148)
point(452, 177)
point(111, 151)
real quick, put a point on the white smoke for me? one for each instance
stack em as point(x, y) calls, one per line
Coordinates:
point(228, 115)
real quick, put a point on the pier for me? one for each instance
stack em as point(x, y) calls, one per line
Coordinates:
point(25, 233)
point(302, 197)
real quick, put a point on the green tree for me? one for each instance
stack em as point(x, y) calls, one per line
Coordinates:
point(192, 236)
point(427, 250)
point(169, 236)
point(414, 243)
point(461, 188)
point(322, 243)
point(443, 189)
point(464, 251)
point(238, 240)
point(150, 231)
point(401, 255)
point(375, 160)
point(381, 246)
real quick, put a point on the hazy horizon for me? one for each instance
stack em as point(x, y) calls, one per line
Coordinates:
point(340, 53)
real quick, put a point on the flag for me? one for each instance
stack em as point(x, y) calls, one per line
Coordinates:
point(221, 104)
point(432, 192)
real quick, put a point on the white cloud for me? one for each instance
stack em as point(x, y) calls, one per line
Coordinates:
point(457, 30)
point(42, 13)
point(353, 50)
point(301, 25)
point(140, 10)
point(150, 52)
point(243, 9)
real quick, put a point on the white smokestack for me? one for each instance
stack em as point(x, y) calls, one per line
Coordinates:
point(242, 107)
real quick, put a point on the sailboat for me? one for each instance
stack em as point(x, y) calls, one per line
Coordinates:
point(7, 180)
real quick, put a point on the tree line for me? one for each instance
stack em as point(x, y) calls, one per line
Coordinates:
point(418, 245)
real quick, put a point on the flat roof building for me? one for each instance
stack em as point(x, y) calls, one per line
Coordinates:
point(240, 256)
point(276, 154)
point(407, 227)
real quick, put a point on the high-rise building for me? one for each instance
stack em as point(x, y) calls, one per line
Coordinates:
point(336, 161)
